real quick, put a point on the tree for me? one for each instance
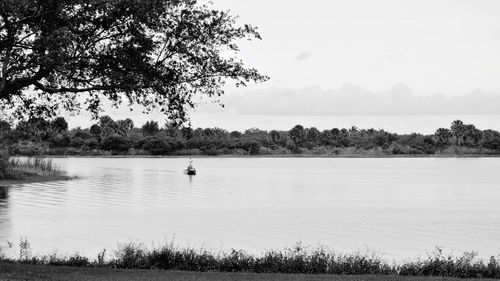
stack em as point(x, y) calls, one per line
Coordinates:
point(59, 125)
point(255, 134)
point(313, 134)
point(34, 128)
point(159, 54)
point(472, 135)
point(172, 129)
point(187, 133)
point(326, 137)
point(115, 143)
point(235, 135)
point(96, 131)
point(458, 131)
point(443, 136)
point(108, 126)
point(156, 146)
point(275, 136)
point(125, 126)
point(298, 134)
point(491, 140)
point(4, 127)
point(150, 128)
point(344, 137)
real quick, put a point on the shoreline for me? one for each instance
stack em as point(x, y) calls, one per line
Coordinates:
point(34, 179)
point(13, 272)
point(354, 156)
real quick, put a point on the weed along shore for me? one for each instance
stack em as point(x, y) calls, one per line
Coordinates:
point(171, 262)
point(28, 170)
point(34, 179)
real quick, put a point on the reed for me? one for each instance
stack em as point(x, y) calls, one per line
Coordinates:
point(34, 165)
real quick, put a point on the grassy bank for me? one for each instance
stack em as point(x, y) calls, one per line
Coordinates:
point(37, 169)
point(294, 260)
point(11, 272)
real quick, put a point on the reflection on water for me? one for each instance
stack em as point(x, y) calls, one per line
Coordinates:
point(402, 207)
point(4, 217)
point(3, 194)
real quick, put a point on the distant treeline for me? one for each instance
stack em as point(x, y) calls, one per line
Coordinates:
point(121, 137)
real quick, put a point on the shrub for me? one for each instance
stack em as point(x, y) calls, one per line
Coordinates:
point(115, 143)
point(4, 165)
point(77, 142)
point(60, 140)
point(295, 260)
point(156, 146)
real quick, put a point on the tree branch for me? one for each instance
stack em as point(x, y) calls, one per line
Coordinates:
point(47, 89)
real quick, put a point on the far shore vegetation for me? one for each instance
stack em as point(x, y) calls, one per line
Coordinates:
point(108, 137)
point(298, 259)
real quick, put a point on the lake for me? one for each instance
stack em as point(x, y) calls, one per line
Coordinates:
point(398, 207)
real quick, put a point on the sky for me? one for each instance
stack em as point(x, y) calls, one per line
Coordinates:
point(335, 62)
point(433, 46)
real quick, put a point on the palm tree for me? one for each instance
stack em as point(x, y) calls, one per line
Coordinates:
point(443, 136)
point(458, 130)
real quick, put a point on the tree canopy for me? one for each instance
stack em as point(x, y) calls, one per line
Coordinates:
point(159, 54)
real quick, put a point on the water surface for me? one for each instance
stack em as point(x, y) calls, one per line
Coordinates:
point(399, 207)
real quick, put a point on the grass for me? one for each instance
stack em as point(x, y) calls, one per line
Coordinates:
point(35, 165)
point(26, 170)
point(11, 272)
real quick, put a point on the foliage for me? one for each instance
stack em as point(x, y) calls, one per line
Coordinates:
point(159, 146)
point(37, 136)
point(72, 54)
point(59, 125)
point(115, 143)
point(298, 259)
point(150, 128)
point(5, 170)
point(4, 127)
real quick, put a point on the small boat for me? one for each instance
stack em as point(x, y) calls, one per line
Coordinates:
point(191, 171)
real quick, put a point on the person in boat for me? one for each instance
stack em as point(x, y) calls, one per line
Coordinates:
point(190, 167)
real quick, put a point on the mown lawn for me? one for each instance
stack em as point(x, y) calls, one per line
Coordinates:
point(10, 272)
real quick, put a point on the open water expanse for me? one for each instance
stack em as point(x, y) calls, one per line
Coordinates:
point(399, 207)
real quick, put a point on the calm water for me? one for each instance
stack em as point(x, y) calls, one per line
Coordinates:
point(400, 207)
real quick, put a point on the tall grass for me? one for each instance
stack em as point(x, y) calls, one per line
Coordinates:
point(35, 165)
point(19, 168)
point(296, 260)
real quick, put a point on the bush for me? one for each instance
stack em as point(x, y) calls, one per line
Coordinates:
point(77, 142)
point(71, 151)
point(156, 146)
point(160, 146)
point(91, 143)
point(4, 165)
point(294, 260)
point(115, 143)
point(60, 140)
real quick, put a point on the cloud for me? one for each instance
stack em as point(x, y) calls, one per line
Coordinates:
point(354, 100)
point(303, 56)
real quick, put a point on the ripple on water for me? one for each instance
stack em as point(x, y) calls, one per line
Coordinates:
point(403, 207)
